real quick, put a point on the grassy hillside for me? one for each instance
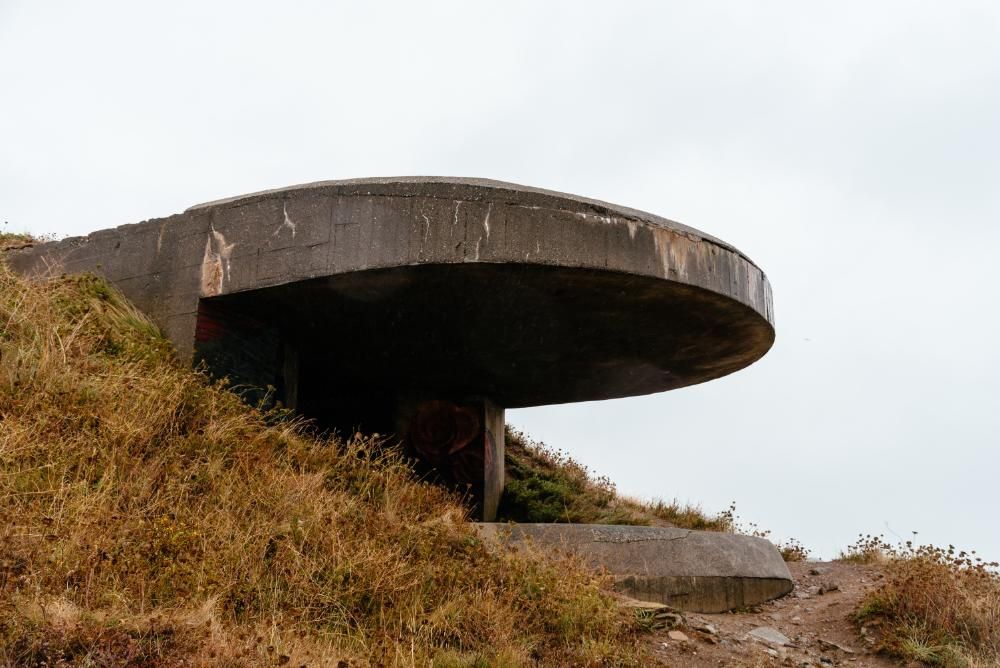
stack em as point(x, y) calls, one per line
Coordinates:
point(148, 517)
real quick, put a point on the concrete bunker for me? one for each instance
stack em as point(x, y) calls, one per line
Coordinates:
point(423, 307)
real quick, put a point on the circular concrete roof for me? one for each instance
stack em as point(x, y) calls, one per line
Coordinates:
point(469, 286)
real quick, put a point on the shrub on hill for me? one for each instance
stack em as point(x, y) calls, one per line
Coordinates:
point(934, 605)
point(149, 517)
point(14, 241)
point(546, 485)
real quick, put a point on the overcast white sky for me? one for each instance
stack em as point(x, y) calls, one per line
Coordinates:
point(852, 149)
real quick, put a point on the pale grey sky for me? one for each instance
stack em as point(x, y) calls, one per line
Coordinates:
point(852, 149)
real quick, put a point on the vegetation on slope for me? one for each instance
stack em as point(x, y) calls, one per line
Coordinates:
point(149, 517)
point(546, 485)
point(934, 605)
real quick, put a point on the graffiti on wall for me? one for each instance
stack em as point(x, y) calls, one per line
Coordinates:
point(453, 440)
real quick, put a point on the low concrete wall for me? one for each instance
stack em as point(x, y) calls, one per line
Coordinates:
point(699, 571)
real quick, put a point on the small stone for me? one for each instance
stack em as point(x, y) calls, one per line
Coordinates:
point(827, 587)
point(770, 636)
point(706, 628)
point(819, 570)
point(829, 644)
point(678, 636)
point(667, 621)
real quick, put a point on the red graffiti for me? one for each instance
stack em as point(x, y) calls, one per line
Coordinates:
point(451, 438)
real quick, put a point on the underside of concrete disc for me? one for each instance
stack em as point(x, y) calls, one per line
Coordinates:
point(698, 571)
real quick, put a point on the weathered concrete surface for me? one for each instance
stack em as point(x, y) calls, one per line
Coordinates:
point(527, 296)
point(699, 571)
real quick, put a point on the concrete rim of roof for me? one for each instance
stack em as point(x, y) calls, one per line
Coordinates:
point(608, 301)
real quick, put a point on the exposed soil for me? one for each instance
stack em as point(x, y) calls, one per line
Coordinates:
point(814, 617)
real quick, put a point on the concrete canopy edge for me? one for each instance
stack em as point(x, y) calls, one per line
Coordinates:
point(661, 305)
point(468, 188)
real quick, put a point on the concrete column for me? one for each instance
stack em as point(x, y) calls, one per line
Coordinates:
point(461, 443)
point(493, 482)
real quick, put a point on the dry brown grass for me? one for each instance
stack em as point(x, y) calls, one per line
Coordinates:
point(935, 605)
point(148, 517)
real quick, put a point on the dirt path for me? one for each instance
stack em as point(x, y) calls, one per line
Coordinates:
point(814, 618)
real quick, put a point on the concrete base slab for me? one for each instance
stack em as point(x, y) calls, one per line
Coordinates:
point(698, 571)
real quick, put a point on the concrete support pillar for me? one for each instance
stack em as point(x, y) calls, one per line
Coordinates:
point(493, 469)
point(459, 442)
